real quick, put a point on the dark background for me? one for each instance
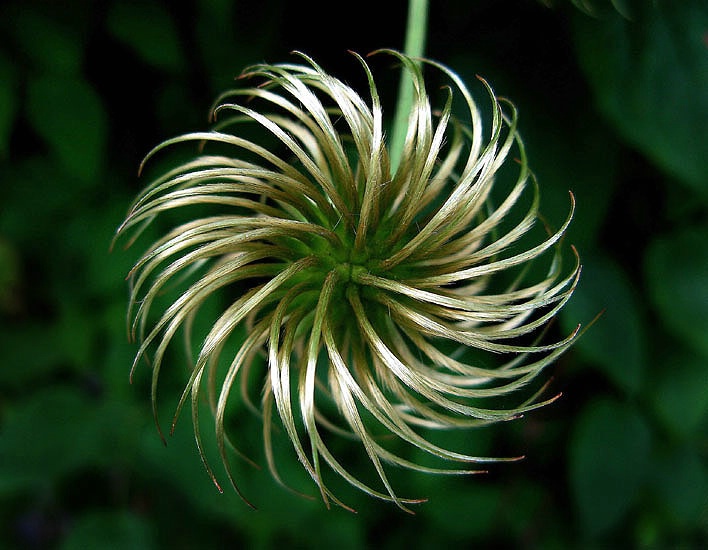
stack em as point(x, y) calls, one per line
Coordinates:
point(614, 106)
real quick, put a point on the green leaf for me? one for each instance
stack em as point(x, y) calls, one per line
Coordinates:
point(52, 46)
point(68, 114)
point(649, 76)
point(609, 452)
point(34, 351)
point(76, 332)
point(113, 530)
point(677, 276)
point(616, 343)
point(680, 479)
point(23, 361)
point(50, 434)
point(105, 269)
point(118, 427)
point(34, 189)
point(149, 30)
point(178, 466)
point(679, 393)
point(575, 155)
point(223, 56)
point(449, 511)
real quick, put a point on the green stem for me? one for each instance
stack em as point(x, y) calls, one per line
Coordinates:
point(416, 29)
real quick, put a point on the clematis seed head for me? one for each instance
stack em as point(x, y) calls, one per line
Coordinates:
point(366, 297)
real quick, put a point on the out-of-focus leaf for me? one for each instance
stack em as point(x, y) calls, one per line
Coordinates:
point(222, 54)
point(681, 482)
point(148, 29)
point(677, 275)
point(609, 452)
point(575, 156)
point(75, 333)
point(69, 115)
point(616, 343)
point(105, 269)
point(179, 466)
point(50, 45)
point(532, 517)
point(174, 118)
point(8, 102)
point(569, 148)
point(452, 513)
point(119, 424)
point(47, 435)
point(679, 392)
point(114, 530)
point(29, 353)
point(227, 41)
point(36, 195)
point(650, 76)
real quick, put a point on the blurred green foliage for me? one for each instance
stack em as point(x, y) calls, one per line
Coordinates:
point(614, 107)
